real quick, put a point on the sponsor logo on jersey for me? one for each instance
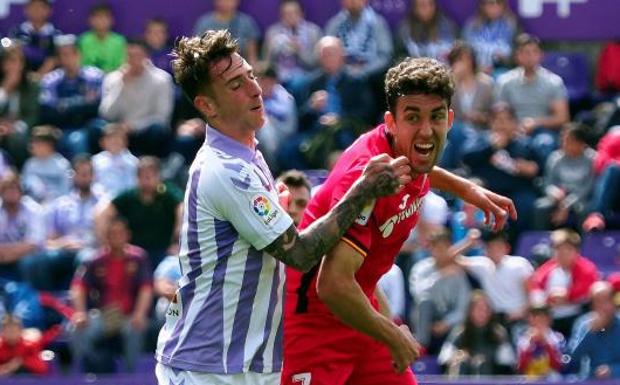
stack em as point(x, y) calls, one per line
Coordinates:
point(264, 209)
point(388, 227)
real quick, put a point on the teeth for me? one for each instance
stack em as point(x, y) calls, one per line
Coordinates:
point(425, 146)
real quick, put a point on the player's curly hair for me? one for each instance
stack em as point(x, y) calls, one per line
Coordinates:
point(418, 76)
point(194, 57)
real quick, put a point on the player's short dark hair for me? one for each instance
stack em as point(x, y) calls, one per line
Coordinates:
point(577, 131)
point(524, 39)
point(295, 178)
point(149, 162)
point(101, 7)
point(194, 57)
point(440, 235)
point(459, 48)
point(418, 76)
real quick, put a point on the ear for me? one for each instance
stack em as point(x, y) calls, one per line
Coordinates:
point(206, 105)
point(450, 118)
point(390, 122)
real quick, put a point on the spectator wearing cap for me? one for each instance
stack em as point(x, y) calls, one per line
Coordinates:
point(101, 47)
point(47, 174)
point(568, 181)
point(564, 281)
point(281, 113)
point(22, 226)
point(128, 100)
point(70, 97)
point(539, 348)
point(503, 278)
point(19, 110)
point(596, 336)
point(37, 35)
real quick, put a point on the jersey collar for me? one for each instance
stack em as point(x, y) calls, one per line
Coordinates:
point(230, 146)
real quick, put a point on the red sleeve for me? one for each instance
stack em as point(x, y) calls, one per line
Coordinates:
point(603, 155)
point(539, 278)
point(358, 235)
point(584, 275)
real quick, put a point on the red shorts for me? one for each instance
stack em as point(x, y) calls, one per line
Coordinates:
point(370, 365)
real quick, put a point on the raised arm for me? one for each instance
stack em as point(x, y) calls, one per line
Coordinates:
point(302, 250)
point(493, 205)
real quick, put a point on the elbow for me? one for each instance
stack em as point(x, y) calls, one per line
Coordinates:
point(330, 291)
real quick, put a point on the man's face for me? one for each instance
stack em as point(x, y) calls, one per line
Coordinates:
point(10, 192)
point(118, 235)
point(101, 21)
point(566, 255)
point(354, 6)
point(156, 35)
point(571, 146)
point(226, 6)
point(300, 196)
point(419, 128)
point(38, 12)
point(290, 14)
point(148, 180)
point(69, 57)
point(425, 9)
point(603, 304)
point(503, 123)
point(136, 55)
point(331, 57)
point(83, 176)
point(496, 249)
point(529, 56)
point(237, 97)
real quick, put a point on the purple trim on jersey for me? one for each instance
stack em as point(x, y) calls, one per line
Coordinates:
point(228, 145)
point(257, 364)
point(241, 324)
point(277, 347)
point(187, 292)
point(205, 341)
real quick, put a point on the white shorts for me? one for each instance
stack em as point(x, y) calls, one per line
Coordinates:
point(167, 376)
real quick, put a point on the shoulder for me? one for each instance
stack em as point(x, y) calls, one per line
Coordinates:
point(117, 39)
point(509, 77)
point(52, 78)
point(92, 73)
point(221, 173)
point(555, 157)
point(550, 77)
point(31, 206)
point(136, 253)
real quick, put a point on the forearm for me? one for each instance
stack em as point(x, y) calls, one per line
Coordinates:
point(143, 303)
point(349, 304)
point(446, 181)
point(304, 250)
point(384, 306)
point(78, 298)
point(12, 252)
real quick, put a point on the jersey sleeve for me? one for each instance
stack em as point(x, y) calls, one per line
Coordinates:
point(359, 234)
point(246, 200)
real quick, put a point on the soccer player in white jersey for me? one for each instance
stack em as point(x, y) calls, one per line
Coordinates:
point(224, 325)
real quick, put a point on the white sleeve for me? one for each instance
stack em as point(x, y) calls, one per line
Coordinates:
point(242, 199)
point(477, 265)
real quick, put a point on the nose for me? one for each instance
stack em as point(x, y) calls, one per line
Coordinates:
point(426, 130)
point(254, 88)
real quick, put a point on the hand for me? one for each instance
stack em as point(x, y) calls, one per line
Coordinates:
point(440, 328)
point(284, 195)
point(318, 100)
point(558, 297)
point(404, 348)
point(493, 205)
point(526, 168)
point(385, 176)
point(473, 236)
point(79, 319)
point(499, 140)
point(6, 127)
point(602, 371)
point(528, 125)
point(138, 322)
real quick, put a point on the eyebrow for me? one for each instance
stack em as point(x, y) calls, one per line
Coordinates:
point(231, 68)
point(417, 109)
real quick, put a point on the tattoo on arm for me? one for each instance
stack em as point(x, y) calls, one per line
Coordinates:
point(303, 250)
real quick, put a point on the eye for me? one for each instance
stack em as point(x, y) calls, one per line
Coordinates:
point(413, 118)
point(235, 85)
point(439, 116)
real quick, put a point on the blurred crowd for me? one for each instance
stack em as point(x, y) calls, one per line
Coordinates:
point(96, 139)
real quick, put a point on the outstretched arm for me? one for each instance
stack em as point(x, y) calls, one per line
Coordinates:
point(493, 205)
point(302, 250)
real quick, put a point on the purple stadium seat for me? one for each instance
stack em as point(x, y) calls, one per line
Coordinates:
point(573, 68)
point(529, 241)
point(426, 365)
point(603, 248)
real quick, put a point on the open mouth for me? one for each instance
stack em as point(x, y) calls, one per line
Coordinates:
point(257, 108)
point(424, 149)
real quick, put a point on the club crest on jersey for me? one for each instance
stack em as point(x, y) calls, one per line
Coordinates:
point(388, 227)
point(264, 209)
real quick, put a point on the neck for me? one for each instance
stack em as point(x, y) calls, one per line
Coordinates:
point(496, 260)
point(117, 251)
point(38, 24)
point(147, 195)
point(11, 208)
point(72, 72)
point(84, 193)
point(467, 78)
point(101, 34)
point(243, 136)
point(224, 15)
point(529, 72)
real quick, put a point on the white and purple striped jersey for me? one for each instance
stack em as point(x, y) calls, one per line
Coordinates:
point(227, 314)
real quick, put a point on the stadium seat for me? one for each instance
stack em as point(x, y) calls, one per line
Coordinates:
point(533, 243)
point(573, 68)
point(426, 365)
point(603, 248)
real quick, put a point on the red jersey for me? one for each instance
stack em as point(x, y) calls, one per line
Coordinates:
point(378, 234)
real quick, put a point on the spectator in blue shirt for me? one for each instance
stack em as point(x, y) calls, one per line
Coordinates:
point(158, 43)
point(70, 97)
point(596, 336)
point(37, 36)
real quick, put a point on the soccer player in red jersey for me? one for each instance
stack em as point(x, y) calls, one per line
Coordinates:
point(334, 332)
